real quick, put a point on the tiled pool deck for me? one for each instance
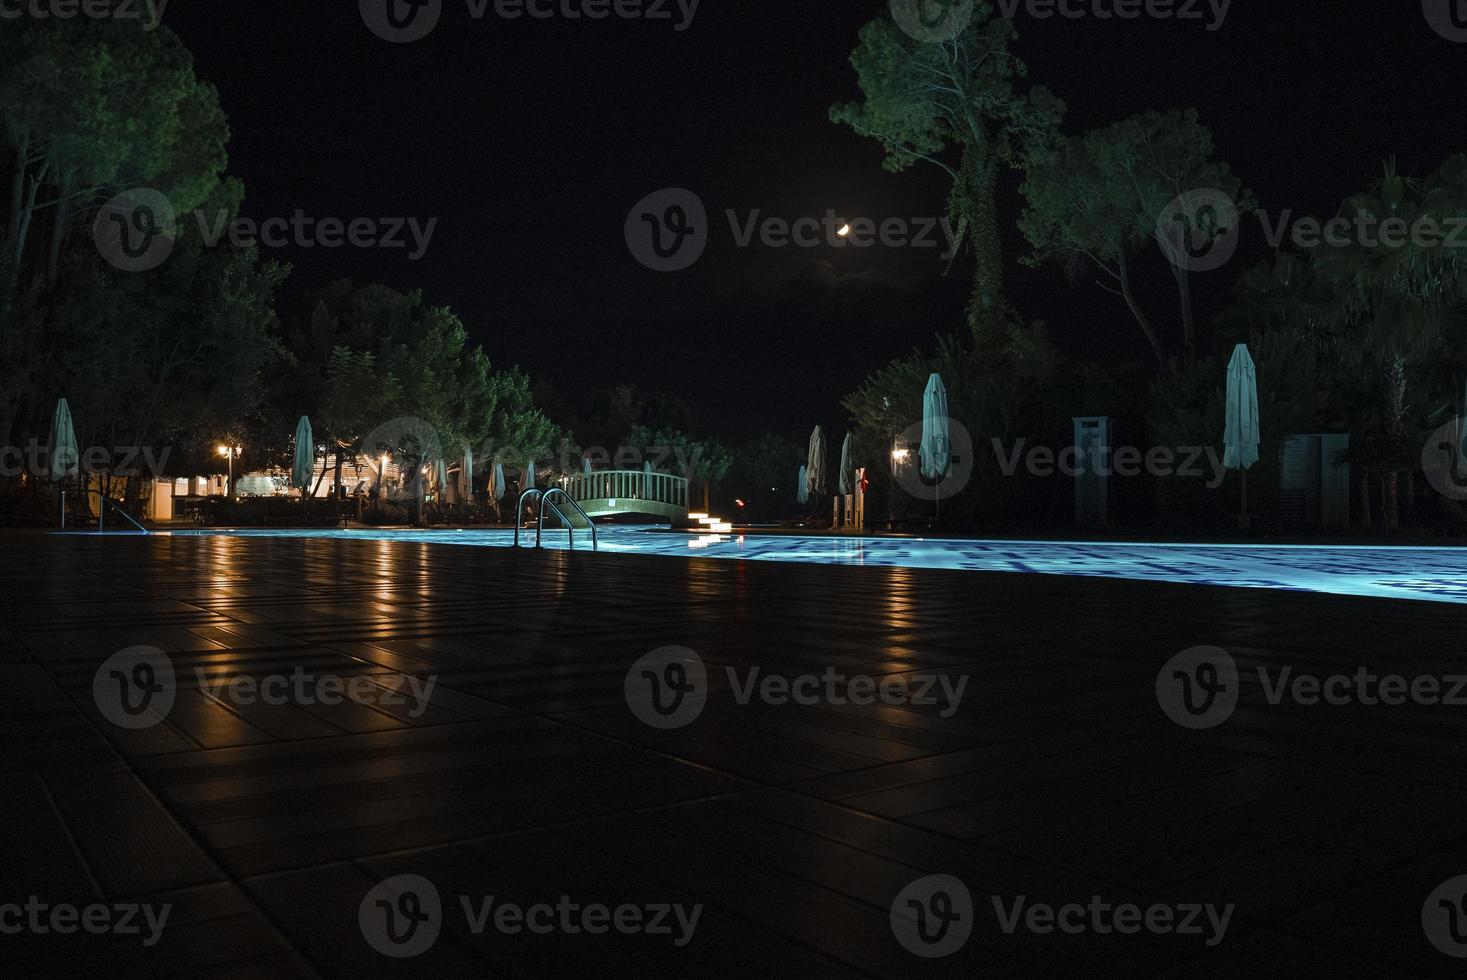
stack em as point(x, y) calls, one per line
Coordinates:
point(526, 776)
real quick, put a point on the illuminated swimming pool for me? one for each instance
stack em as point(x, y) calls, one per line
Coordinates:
point(1431, 574)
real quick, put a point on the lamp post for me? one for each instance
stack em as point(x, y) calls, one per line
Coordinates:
point(229, 453)
point(899, 455)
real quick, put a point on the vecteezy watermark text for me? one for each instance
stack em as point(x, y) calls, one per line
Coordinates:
point(402, 917)
point(1199, 688)
point(934, 916)
point(668, 231)
point(668, 688)
point(305, 689)
point(150, 12)
point(1123, 461)
point(63, 919)
point(1200, 230)
point(137, 687)
point(405, 21)
point(138, 229)
point(119, 461)
point(1193, 10)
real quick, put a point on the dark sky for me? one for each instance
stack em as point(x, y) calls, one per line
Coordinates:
point(529, 141)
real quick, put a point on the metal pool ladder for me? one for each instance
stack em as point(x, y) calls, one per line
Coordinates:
point(105, 502)
point(547, 503)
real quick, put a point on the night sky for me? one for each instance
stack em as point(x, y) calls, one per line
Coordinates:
point(531, 140)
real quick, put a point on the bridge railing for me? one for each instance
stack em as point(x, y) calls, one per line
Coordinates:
point(629, 485)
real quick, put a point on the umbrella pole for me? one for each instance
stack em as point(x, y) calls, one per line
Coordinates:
point(1243, 512)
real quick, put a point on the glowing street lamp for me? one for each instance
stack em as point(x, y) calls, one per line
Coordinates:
point(899, 456)
point(230, 453)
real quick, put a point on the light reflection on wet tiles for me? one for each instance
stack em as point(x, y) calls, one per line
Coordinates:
point(1430, 574)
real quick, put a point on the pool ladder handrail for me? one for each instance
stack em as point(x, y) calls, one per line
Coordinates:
point(545, 498)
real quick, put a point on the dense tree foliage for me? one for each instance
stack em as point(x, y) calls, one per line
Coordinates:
point(959, 105)
point(1095, 201)
point(1355, 331)
point(180, 354)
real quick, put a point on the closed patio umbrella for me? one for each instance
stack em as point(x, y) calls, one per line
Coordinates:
point(936, 449)
point(815, 462)
point(847, 473)
point(498, 487)
point(802, 487)
point(466, 477)
point(64, 454)
point(1240, 434)
point(305, 457)
point(528, 481)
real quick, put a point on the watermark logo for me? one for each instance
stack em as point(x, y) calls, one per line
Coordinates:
point(933, 916)
point(408, 442)
point(1198, 688)
point(401, 917)
point(932, 21)
point(405, 21)
point(135, 688)
point(135, 230)
point(667, 231)
point(1444, 459)
point(667, 688)
point(1199, 230)
point(401, 21)
point(1447, 17)
point(907, 462)
point(1444, 917)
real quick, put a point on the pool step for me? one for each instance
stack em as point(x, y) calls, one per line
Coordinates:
point(703, 523)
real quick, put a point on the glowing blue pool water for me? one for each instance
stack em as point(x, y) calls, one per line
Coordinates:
point(1432, 574)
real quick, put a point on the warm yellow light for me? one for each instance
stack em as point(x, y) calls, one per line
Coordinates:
point(900, 454)
point(844, 230)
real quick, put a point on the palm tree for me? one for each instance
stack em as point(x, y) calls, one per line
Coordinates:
point(1388, 288)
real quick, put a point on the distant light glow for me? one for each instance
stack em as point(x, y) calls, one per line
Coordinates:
point(844, 230)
